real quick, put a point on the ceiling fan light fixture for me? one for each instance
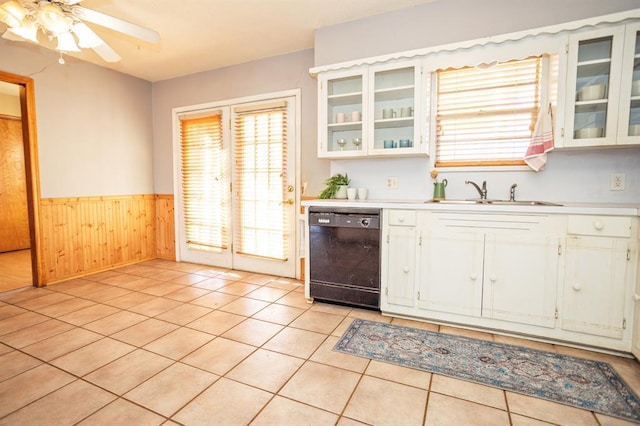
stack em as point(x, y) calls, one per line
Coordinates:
point(53, 19)
point(66, 43)
point(12, 13)
point(86, 37)
point(28, 30)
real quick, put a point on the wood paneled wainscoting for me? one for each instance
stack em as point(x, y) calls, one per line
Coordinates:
point(165, 227)
point(89, 234)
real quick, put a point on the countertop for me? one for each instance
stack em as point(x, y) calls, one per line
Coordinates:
point(566, 208)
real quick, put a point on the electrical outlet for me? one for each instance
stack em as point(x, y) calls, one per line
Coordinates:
point(391, 182)
point(616, 182)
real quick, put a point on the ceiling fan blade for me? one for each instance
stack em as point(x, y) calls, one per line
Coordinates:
point(106, 52)
point(116, 24)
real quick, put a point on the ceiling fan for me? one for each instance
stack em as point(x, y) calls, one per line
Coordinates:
point(61, 20)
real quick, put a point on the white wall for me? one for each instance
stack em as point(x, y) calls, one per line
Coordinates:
point(447, 21)
point(94, 124)
point(570, 176)
point(273, 74)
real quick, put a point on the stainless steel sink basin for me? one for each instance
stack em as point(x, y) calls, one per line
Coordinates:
point(496, 202)
point(523, 203)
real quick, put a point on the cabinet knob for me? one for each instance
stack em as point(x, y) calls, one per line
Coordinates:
point(401, 219)
point(636, 297)
point(577, 287)
point(598, 225)
point(474, 277)
point(493, 278)
point(405, 269)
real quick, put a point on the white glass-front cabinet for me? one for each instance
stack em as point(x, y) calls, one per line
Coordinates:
point(629, 123)
point(593, 87)
point(371, 111)
point(603, 88)
point(342, 114)
point(395, 110)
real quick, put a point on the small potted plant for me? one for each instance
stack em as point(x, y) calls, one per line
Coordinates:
point(336, 186)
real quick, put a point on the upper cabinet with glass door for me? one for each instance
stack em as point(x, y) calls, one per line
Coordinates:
point(593, 83)
point(341, 114)
point(629, 123)
point(395, 109)
point(371, 111)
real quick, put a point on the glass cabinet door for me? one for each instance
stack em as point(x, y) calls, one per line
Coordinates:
point(629, 127)
point(394, 110)
point(634, 104)
point(344, 130)
point(593, 87)
point(593, 74)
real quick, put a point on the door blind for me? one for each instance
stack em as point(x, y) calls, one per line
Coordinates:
point(260, 182)
point(486, 116)
point(203, 171)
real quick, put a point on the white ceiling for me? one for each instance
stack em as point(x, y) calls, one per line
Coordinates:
point(199, 35)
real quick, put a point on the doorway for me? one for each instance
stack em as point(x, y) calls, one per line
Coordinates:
point(235, 186)
point(19, 187)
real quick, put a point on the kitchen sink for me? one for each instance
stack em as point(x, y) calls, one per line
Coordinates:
point(496, 202)
point(523, 203)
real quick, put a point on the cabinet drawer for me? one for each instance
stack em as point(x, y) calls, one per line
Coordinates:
point(607, 226)
point(402, 217)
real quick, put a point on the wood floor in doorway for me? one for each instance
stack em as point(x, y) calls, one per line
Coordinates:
point(15, 269)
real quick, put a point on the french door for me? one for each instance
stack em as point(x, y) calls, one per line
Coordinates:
point(235, 195)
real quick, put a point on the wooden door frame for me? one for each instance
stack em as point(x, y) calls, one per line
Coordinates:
point(30, 145)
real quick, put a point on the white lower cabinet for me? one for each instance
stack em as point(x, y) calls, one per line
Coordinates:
point(521, 277)
point(400, 245)
point(598, 254)
point(471, 268)
point(562, 277)
point(451, 271)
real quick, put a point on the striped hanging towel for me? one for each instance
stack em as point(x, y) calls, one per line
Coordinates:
point(541, 141)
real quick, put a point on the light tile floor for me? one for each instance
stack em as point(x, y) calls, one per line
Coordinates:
point(162, 342)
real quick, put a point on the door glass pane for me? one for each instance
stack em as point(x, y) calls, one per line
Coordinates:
point(260, 220)
point(203, 172)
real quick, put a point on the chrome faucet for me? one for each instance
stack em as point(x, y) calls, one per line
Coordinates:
point(512, 192)
point(482, 192)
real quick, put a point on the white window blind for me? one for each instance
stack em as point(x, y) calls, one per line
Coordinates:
point(205, 194)
point(260, 149)
point(485, 116)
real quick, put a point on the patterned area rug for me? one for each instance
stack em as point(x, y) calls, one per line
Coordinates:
point(582, 383)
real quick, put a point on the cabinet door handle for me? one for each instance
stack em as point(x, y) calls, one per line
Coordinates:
point(405, 269)
point(401, 219)
point(598, 225)
point(493, 278)
point(474, 277)
point(577, 287)
point(636, 297)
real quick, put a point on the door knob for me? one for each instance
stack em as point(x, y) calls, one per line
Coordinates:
point(636, 297)
point(290, 188)
point(288, 201)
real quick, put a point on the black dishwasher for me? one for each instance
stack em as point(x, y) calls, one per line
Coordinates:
point(344, 255)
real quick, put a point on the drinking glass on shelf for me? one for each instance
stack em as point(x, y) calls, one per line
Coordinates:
point(342, 143)
point(357, 142)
